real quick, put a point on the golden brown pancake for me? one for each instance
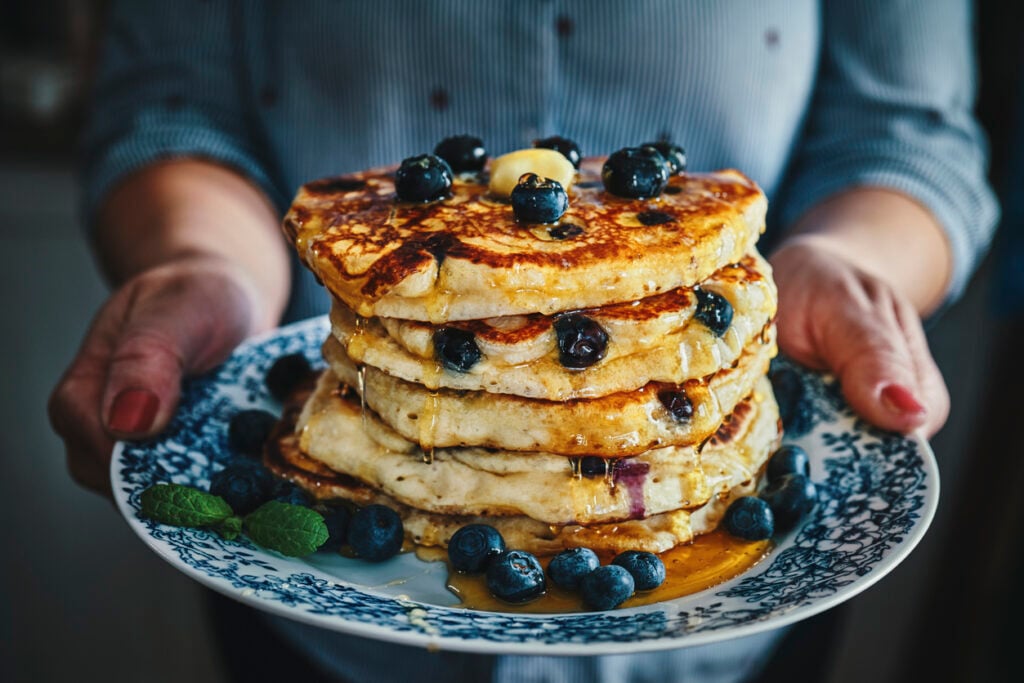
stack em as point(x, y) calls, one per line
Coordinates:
point(331, 455)
point(616, 425)
point(466, 257)
point(656, 339)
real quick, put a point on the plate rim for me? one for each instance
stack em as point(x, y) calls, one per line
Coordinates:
point(424, 639)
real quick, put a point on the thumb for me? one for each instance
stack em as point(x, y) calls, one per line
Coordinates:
point(172, 328)
point(875, 367)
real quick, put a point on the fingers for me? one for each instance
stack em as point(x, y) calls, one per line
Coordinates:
point(833, 316)
point(173, 327)
point(125, 381)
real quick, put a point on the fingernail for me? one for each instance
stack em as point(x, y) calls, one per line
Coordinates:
point(898, 399)
point(133, 411)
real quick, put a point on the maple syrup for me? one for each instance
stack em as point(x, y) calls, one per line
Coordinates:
point(712, 559)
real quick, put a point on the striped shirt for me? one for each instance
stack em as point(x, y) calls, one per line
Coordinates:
point(808, 97)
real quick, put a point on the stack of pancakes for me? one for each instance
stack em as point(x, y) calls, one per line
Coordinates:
point(643, 448)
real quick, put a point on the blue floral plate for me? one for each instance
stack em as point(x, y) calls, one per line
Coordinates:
point(877, 493)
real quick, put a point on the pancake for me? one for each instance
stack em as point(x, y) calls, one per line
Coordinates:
point(546, 487)
point(655, 339)
point(466, 257)
point(616, 425)
point(326, 450)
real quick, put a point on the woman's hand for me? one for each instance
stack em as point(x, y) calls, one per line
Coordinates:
point(834, 316)
point(198, 260)
point(178, 319)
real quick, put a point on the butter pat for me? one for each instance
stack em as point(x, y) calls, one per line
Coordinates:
point(547, 163)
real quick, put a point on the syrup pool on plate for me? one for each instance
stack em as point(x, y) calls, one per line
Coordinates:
point(710, 560)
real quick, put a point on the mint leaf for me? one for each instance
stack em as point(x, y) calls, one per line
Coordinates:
point(291, 530)
point(230, 528)
point(179, 505)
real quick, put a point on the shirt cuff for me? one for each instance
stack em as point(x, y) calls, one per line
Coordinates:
point(966, 217)
point(157, 135)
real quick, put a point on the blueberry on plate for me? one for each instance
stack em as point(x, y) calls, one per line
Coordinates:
point(423, 178)
point(456, 349)
point(607, 587)
point(566, 147)
point(568, 567)
point(790, 497)
point(515, 576)
point(462, 152)
point(795, 407)
point(674, 155)
point(635, 173)
point(376, 533)
point(248, 431)
point(538, 200)
point(647, 569)
point(749, 518)
point(789, 459)
point(287, 374)
point(714, 310)
point(244, 485)
point(287, 492)
point(473, 546)
point(337, 519)
point(581, 341)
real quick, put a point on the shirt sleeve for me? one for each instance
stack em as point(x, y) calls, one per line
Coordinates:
point(170, 84)
point(893, 108)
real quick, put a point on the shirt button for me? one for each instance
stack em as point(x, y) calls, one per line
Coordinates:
point(564, 26)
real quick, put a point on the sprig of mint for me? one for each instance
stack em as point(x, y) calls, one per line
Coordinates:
point(179, 505)
point(291, 530)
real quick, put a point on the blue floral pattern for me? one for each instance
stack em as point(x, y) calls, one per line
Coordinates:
point(876, 494)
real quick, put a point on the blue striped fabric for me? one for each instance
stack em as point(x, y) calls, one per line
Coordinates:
point(807, 97)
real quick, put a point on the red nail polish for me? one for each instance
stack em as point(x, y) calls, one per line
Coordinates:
point(133, 411)
point(898, 399)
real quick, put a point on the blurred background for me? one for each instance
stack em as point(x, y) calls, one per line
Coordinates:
point(82, 599)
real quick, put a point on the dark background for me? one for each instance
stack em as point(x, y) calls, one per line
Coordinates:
point(82, 599)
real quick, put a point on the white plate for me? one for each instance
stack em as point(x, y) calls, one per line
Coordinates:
point(877, 493)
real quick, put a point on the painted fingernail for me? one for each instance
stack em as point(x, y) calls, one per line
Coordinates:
point(133, 411)
point(898, 399)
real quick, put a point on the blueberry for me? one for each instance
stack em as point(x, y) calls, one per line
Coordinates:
point(376, 533)
point(287, 374)
point(635, 172)
point(456, 349)
point(462, 152)
point(789, 459)
point(248, 431)
point(423, 178)
point(596, 466)
point(581, 341)
point(795, 406)
point(749, 518)
point(472, 547)
point(790, 497)
point(674, 155)
point(337, 520)
point(287, 492)
point(714, 310)
point(538, 200)
point(607, 587)
point(677, 403)
point(244, 485)
point(568, 567)
point(566, 147)
point(515, 576)
point(647, 569)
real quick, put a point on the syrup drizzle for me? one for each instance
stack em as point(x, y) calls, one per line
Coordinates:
point(711, 559)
